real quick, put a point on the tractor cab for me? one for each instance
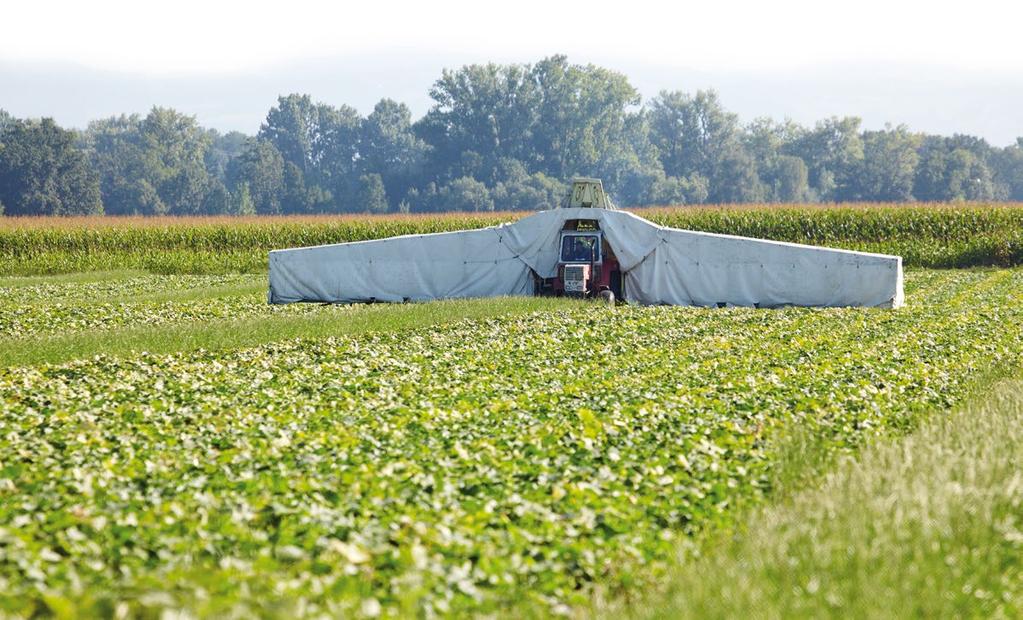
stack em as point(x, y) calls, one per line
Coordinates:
point(586, 263)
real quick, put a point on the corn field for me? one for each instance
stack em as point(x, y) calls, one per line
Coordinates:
point(925, 235)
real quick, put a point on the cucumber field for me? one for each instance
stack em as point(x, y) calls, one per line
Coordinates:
point(170, 443)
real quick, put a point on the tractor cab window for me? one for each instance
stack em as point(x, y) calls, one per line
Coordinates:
point(580, 249)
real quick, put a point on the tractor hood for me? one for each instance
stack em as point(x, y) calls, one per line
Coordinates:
point(659, 265)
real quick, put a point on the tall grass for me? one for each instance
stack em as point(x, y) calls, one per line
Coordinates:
point(929, 526)
point(931, 235)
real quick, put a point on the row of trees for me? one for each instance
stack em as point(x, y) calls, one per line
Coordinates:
point(497, 136)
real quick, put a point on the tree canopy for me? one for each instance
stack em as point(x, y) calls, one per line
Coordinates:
point(498, 136)
point(42, 172)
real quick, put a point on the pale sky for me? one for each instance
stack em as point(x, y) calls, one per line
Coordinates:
point(211, 36)
point(187, 46)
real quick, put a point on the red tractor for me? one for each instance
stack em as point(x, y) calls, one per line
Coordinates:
point(587, 266)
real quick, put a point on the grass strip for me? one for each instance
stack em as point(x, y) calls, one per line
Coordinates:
point(226, 334)
point(924, 526)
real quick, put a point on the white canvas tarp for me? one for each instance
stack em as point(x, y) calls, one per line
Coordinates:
point(660, 266)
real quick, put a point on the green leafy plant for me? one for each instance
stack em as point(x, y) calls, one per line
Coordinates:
point(485, 466)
